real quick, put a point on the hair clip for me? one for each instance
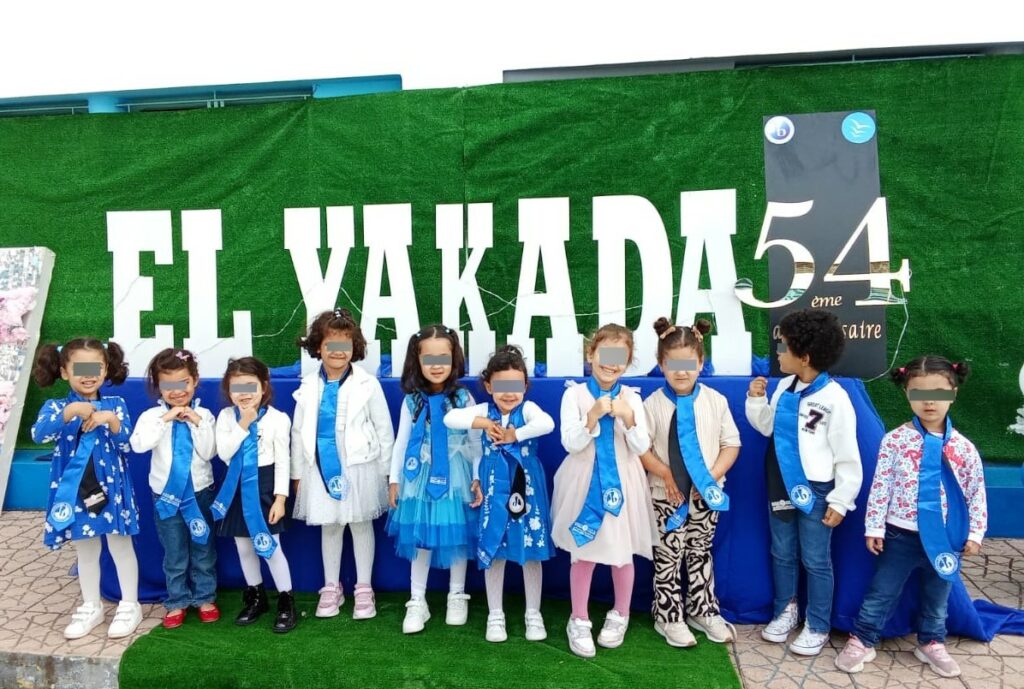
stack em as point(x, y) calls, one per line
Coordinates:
point(59, 348)
point(957, 366)
point(183, 355)
point(902, 370)
point(338, 313)
point(668, 331)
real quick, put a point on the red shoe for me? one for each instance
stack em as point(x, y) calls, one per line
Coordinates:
point(211, 615)
point(174, 619)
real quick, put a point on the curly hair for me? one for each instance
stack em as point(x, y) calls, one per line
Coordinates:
point(338, 320)
point(51, 359)
point(815, 333)
point(507, 358)
point(956, 373)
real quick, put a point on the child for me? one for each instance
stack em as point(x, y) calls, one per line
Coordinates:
point(181, 436)
point(927, 503)
point(515, 517)
point(341, 447)
point(432, 472)
point(252, 439)
point(813, 471)
point(601, 505)
point(90, 490)
point(694, 443)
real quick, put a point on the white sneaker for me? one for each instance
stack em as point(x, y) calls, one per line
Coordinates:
point(416, 615)
point(778, 629)
point(676, 634)
point(809, 643)
point(458, 609)
point(85, 618)
point(496, 627)
point(714, 627)
point(126, 620)
point(614, 630)
point(581, 638)
point(535, 630)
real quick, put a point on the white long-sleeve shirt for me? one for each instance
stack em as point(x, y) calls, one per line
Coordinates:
point(273, 436)
point(576, 437)
point(538, 421)
point(402, 442)
point(827, 439)
point(152, 433)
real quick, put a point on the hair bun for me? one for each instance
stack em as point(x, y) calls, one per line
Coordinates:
point(702, 325)
point(662, 325)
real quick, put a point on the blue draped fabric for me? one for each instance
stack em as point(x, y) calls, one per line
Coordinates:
point(742, 560)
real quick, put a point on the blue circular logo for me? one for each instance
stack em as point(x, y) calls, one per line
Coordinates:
point(197, 527)
point(335, 485)
point(612, 498)
point(516, 503)
point(801, 495)
point(779, 129)
point(946, 563)
point(61, 512)
point(262, 542)
point(714, 496)
point(412, 464)
point(858, 127)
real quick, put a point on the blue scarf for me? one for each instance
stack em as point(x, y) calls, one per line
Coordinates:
point(505, 496)
point(335, 481)
point(179, 493)
point(437, 485)
point(62, 512)
point(787, 443)
point(942, 541)
point(693, 458)
point(605, 493)
point(244, 469)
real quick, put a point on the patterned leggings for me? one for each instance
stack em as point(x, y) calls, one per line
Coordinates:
point(692, 544)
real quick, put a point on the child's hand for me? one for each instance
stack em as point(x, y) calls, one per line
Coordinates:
point(276, 510)
point(672, 492)
point(478, 495)
point(757, 387)
point(972, 548)
point(393, 495)
point(82, 410)
point(622, 410)
point(875, 544)
point(508, 436)
point(495, 432)
point(246, 415)
point(602, 407)
point(97, 419)
point(832, 518)
point(173, 414)
point(189, 414)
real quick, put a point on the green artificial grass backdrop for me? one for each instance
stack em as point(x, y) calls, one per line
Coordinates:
point(340, 653)
point(950, 142)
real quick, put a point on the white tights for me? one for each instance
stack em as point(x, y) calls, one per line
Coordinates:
point(421, 568)
point(251, 564)
point(123, 553)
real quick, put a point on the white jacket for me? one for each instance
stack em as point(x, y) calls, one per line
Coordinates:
point(151, 432)
point(363, 422)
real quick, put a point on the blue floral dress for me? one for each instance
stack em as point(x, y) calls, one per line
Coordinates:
point(120, 516)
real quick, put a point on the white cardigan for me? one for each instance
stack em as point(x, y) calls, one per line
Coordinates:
point(272, 434)
point(363, 422)
point(151, 432)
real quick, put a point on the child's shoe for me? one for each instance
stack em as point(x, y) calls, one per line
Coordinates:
point(614, 630)
point(174, 618)
point(809, 642)
point(458, 609)
point(581, 638)
point(416, 615)
point(85, 618)
point(535, 630)
point(778, 629)
point(287, 617)
point(254, 604)
point(126, 620)
point(496, 627)
point(676, 634)
point(854, 655)
point(937, 658)
point(714, 627)
point(365, 606)
point(331, 598)
point(210, 613)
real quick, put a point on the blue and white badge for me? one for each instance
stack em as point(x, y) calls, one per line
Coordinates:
point(779, 129)
point(801, 495)
point(262, 542)
point(412, 464)
point(612, 498)
point(197, 527)
point(338, 485)
point(714, 496)
point(61, 512)
point(858, 127)
point(516, 503)
point(946, 563)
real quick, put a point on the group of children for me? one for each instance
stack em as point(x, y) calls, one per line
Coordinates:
point(463, 480)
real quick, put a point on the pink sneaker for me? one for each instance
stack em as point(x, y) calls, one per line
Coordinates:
point(365, 608)
point(936, 656)
point(331, 598)
point(854, 656)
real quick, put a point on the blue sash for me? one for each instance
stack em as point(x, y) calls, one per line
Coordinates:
point(62, 512)
point(437, 484)
point(244, 469)
point(502, 500)
point(787, 443)
point(178, 493)
point(335, 481)
point(942, 541)
point(605, 492)
point(693, 458)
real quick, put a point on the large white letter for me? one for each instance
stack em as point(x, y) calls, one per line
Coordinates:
point(708, 221)
point(543, 230)
point(201, 239)
point(302, 239)
point(458, 287)
point(634, 218)
point(129, 233)
point(387, 232)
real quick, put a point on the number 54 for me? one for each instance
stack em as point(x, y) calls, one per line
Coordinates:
point(879, 276)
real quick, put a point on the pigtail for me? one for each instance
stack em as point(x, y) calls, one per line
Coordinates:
point(899, 376)
point(961, 370)
point(703, 326)
point(46, 369)
point(117, 367)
